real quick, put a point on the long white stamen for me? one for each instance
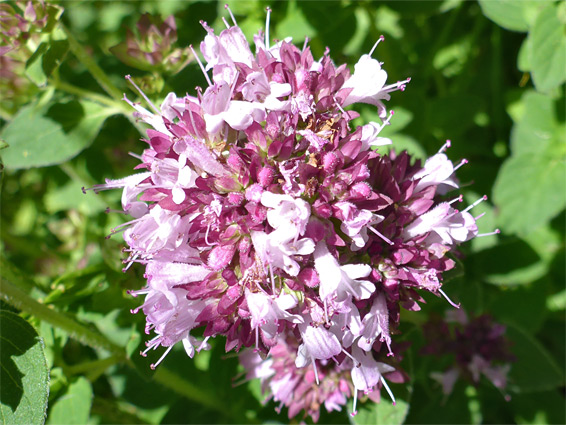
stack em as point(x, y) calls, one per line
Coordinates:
point(388, 391)
point(149, 102)
point(201, 65)
point(380, 235)
point(225, 22)
point(463, 162)
point(354, 411)
point(315, 370)
point(349, 355)
point(452, 303)
point(458, 199)
point(154, 365)
point(231, 15)
point(495, 232)
point(479, 201)
point(268, 9)
point(445, 146)
point(379, 40)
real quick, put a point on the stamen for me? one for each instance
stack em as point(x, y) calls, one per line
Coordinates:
point(231, 15)
point(380, 235)
point(354, 411)
point(379, 40)
point(388, 390)
point(149, 102)
point(349, 355)
point(452, 303)
point(268, 10)
point(479, 216)
point(315, 370)
point(463, 162)
point(458, 199)
point(445, 146)
point(225, 22)
point(201, 65)
point(154, 365)
point(272, 279)
point(135, 155)
point(495, 232)
point(306, 43)
point(479, 201)
point(326, 311)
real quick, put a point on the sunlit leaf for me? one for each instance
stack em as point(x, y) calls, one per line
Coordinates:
point(23, 372)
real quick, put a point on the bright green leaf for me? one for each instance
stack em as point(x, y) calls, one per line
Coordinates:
point(74, 406)
point(510, 14)
point(534, 370)
point(535, 127)
point(529, 191)
point(383, 412)
point(52, 134)
point(23, 372)
point(548, 50)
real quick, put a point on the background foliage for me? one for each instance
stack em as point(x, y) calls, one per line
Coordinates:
point(488, 75)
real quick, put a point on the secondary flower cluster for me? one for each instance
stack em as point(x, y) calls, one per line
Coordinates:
point(261, 215)
point(478, 345)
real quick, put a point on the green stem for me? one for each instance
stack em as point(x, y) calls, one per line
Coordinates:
point(174, 382)
point(13, 295)
point(19, 299)
point(97, 72)
point(118, 105)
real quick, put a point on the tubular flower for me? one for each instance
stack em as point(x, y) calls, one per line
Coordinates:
point(261, 216)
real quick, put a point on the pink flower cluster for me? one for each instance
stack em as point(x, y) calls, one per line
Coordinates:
point(262, 216)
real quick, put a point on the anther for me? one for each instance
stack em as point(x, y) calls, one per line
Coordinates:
point(445, 146)
point(379, 40)
point(231, 15)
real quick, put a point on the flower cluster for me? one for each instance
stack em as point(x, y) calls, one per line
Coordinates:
point(478, 345)
point(152, 47)
point(261, 215)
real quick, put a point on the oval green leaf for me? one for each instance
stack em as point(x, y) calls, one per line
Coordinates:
point(510, 14)
point(548, 50)
point(40, 136)
point(23, 372)
point(74, 406)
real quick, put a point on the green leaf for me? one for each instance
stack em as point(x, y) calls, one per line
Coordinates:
point(383, 412)
point(23, 372)
point(535, 126)
point(74, 406)
point(510, 14)
point(530, 191)
point(538, 162)
point(48, 135)
point(534, 370)
point(45, 60)
point(548, 50)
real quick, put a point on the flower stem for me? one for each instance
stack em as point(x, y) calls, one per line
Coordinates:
point(19, 299)
point(97, 72)
point(11, 293)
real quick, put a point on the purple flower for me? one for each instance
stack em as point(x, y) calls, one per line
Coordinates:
point(260, 215)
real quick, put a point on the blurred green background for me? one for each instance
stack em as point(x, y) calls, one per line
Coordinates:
point(488, 75)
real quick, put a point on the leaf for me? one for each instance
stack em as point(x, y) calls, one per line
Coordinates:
point(538, 162)
point(48, 135)
point(538, 198)
point(510, 14)
point(45, 60)
point(548, 50)
point(74, 406)
point(383, 412)
point(535, 126)
point(23, 372)
point(534, 370)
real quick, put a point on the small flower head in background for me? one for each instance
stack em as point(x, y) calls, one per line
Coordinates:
point(260, 214)
point(478, 345)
